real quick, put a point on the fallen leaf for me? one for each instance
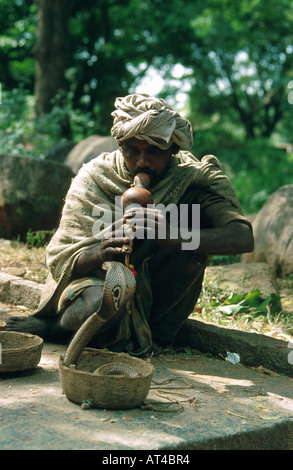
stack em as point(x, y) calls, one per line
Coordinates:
point(108, 420)
point(263, 370)
point(187, 351)
point(230, 309)
point(270, 417)
point(198, 309)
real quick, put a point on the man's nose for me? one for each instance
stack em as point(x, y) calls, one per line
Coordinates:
point(143, 160)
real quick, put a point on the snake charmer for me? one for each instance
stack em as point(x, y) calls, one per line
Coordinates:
point(146, 300)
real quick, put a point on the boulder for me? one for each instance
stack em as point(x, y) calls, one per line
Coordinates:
point(32, 193)
point(88, 149)
point(243, 278)
point(273, 233)
point(18, 291)
point(59, 152)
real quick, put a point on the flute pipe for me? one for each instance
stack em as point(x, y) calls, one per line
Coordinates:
point(138, 194)
point(142, 180)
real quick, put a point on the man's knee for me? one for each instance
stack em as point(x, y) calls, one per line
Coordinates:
point(83, 307)
point(190, 263)
point(72, 317)
point(92, 297)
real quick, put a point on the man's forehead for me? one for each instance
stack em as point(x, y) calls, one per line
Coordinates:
point(135, 141)
point(140, 143)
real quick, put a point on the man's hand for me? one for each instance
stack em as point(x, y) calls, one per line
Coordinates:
point(151, 224)
point(110, 246)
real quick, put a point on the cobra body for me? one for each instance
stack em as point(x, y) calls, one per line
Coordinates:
point(119, 286)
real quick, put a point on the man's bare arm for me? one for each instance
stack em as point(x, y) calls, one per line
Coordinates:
point(231, 239)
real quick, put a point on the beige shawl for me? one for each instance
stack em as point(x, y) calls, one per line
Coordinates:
point(96, 185)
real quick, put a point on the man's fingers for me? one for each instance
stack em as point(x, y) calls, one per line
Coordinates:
point(144, 214)
point(114, 242)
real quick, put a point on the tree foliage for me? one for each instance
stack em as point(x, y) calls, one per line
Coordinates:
point(239, 54)
point(244, 63)
point(18, 22)
point(236, 63)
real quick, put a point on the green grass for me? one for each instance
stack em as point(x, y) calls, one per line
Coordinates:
point(247, 312)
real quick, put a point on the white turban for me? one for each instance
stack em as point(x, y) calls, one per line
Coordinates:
point(152, 119)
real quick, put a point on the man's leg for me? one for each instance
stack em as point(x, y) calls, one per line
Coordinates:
point(87, 303)
point(91, 300)
point(48, 328)
point(176, 280)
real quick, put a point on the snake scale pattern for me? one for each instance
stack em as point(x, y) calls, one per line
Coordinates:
point(119, 287)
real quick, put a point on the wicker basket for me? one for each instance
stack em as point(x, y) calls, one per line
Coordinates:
point(19, 351)
point(81, 382)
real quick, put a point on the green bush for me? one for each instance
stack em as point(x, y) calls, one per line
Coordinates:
point(22, 132)
point(257, 169)
point(39, 238)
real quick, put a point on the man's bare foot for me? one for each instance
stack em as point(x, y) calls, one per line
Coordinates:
point(47, 328)
point(31, 324)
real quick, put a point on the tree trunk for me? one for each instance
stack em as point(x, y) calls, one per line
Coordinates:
point(50, 53)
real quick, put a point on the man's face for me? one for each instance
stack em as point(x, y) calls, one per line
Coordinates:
point(139, 155)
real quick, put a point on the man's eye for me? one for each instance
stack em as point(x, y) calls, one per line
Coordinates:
point(154, 150)
point(131, 150)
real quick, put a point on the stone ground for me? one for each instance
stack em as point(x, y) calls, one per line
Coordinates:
point(198, 398)
point(196, 402)
point(220, 405)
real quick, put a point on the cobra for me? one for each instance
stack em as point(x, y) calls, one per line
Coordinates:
point(119, 286)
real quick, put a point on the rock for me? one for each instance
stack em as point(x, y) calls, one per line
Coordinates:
point(254, 349)
point(59, 152)
point(273, 233)
point(243, 278)
point(32, 193)
point(88, 149)
point(15, 271)
point(18, 291)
